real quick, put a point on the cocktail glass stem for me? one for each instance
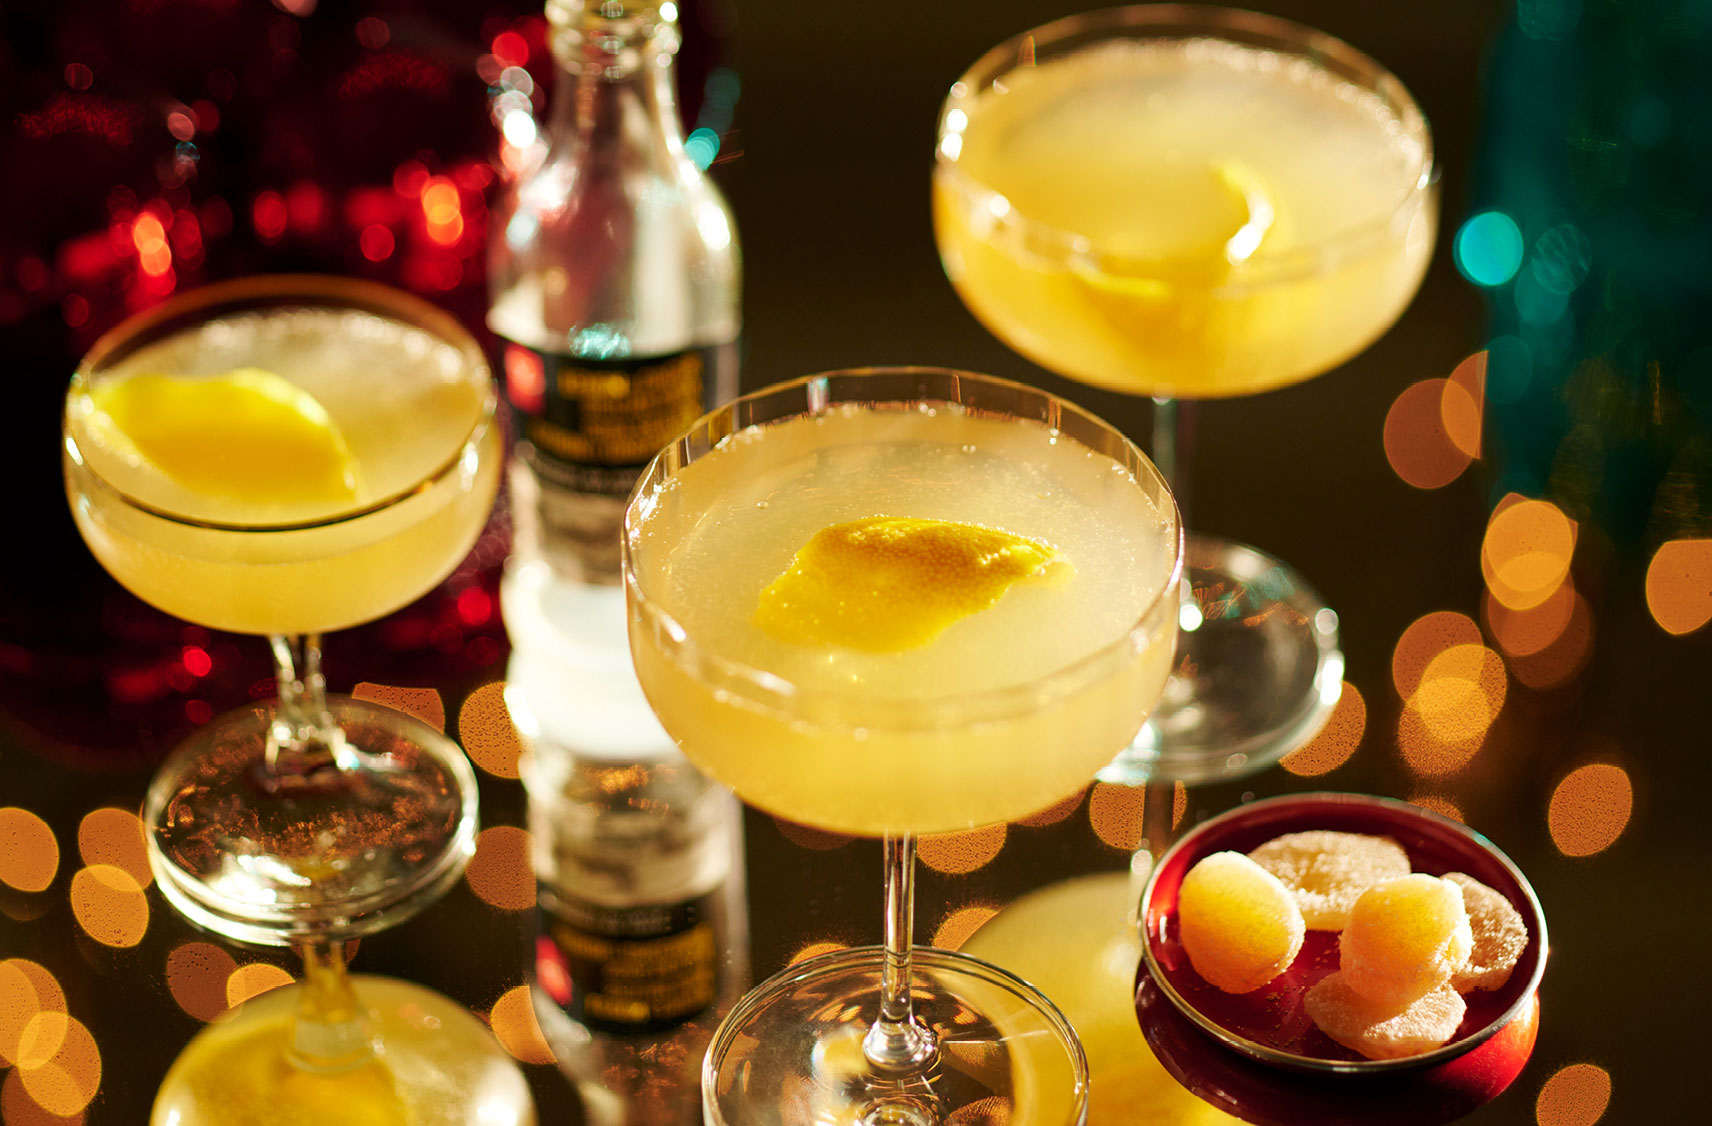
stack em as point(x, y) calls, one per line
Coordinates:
point(304, 736)
point(329, 1034)
point(896, 1042)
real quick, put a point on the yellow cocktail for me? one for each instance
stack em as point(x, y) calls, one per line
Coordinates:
point(285, 456)
point(1189, 203)
point(1184, 217)
point(410, 413)
point(890, 602)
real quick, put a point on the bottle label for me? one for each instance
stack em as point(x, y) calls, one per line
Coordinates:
point(629, 969)
point(590, 426)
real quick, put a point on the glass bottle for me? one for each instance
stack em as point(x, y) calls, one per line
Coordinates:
point(614, 281)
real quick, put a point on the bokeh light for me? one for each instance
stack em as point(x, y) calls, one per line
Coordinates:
point(957, 927)
point(1576, 1095)
point(252, 980)
point(815, 950)
point(1590, 808)
point(1438, 804)
point(109, 905)
point(1116, 814)
point(1679, 585)
point(1523, 633)
point(487, 733)
point(1526, 553)
point(1488, 248)
point(807, 836)
point(424, 704)
point(1055, 812)
point(1559, 662)
point(1425, 638)
point(196, 976)
point(1445, 720)
point(1335, 742)
point(115, 836)
point(64, 1083)
point(500, 873)
point(512, 1019)
point(958, 853)
point(29, 853)
point(1428, 432)
point(17, 1108)
point(27, 990)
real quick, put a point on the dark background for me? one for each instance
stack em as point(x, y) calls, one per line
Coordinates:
point(826, 164)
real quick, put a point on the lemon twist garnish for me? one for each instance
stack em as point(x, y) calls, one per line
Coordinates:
point(246, 435)
point(889, 583)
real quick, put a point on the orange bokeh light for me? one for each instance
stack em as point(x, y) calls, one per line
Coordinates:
point(500, 873)
point(1427, 430)
point(154, 253)
point(487, 733)
point(64, 1083)
point(115, 836)
point(514, 1026)
point(959, 925)
point(17, 1108)
point(1566, 656)
point(1526, 553)
point(1425, 638)
point(1462, 413)
point(246, 982)
point(29, 853)
point(109, 905)
point(1576, 1095)
point(1445, 720)
point(815, 950)
point(27, 990)
point(1053, 813)
point(1523, 633)
point(1679, 585)
point(1590, 809)
point(442, 210)
point(1336, 741)
point(196, 975)
point(424, 704)
point(1438, 804)
point(958, 853)
point(1116, 814)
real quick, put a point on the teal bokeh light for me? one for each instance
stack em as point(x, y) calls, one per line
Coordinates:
point(702, 145)
point(1489, 248)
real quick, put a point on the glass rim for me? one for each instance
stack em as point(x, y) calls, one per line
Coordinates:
point(265, 291)
point(1190, 22)
point(840, 708)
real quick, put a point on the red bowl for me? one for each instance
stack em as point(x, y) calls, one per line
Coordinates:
point(1258, 1055)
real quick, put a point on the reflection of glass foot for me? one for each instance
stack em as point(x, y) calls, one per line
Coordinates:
point(374, 833)
point(1072, 941)
point(437, 1064)
point(790, 1053)
point(1258, 671)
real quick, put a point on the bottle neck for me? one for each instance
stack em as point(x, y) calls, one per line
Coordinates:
point(615, 71)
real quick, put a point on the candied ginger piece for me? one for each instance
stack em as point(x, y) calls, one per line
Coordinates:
point(1500, 936)
point(1238, 923)
point(1379, 1031)
point(1326, 870)
point(1405, 938)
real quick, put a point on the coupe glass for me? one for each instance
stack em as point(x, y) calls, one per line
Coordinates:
point(1186, 203)
point(312, 819)
point(1011, 708)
